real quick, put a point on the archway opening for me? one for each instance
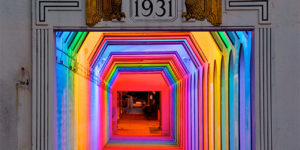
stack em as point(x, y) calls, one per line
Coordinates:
point(93, 75)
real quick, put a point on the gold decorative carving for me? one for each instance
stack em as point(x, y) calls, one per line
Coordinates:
point(204, 9)
point(103, 9)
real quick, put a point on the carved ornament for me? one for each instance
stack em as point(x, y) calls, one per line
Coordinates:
point(103, 9)
point(204, 9)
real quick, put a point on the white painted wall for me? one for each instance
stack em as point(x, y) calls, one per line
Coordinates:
point(15, 52)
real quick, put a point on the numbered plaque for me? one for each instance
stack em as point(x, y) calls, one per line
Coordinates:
point(153, 10)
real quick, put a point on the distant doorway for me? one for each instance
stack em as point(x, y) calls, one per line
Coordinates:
point(139, 113)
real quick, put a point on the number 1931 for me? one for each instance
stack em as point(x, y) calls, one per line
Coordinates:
point(153, 9)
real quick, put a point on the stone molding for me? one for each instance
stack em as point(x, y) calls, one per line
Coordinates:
point(262, 6)
point(44, 6)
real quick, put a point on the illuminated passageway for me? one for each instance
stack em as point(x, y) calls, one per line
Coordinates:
point(203, 80)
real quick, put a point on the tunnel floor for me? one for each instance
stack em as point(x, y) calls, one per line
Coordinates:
point(133, 124)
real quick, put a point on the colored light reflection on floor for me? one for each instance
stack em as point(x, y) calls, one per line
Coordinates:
point(205, 86)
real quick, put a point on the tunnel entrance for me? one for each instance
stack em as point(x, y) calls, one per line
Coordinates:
point(139, 113)
point(128, 90)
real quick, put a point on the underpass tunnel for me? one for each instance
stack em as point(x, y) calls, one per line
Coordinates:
point(199, 77)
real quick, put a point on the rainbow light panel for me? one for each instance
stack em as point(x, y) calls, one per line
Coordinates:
point(205, 80)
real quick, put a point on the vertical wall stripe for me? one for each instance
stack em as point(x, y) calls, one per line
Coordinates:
point(40, 98)
point(264, 111)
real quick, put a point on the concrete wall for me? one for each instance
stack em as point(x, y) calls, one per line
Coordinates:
point(286, 73)
point(15, 52)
